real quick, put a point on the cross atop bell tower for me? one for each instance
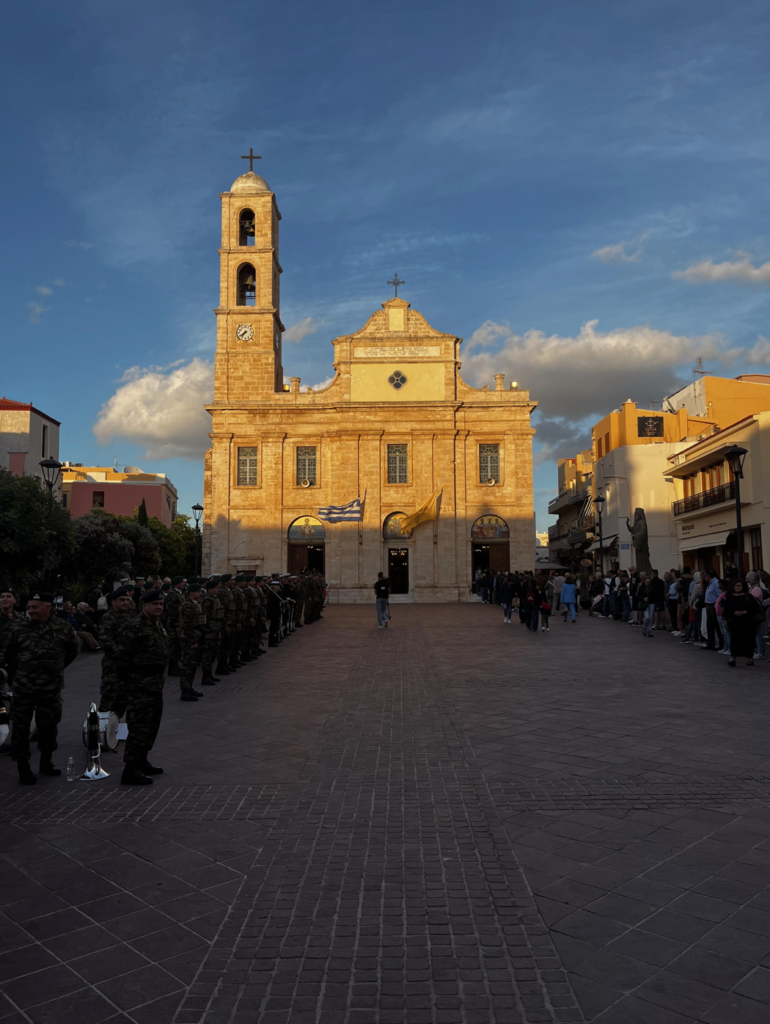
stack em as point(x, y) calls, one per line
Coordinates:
point(249, 328)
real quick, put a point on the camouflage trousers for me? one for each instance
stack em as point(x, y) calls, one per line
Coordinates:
point(143, 715)
point(188, 663)
point(209, 652)
point(223, 654)
point(45, 704)
point(112, 692)
point(174, 647)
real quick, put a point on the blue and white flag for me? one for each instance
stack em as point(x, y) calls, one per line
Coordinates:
point(350, 513)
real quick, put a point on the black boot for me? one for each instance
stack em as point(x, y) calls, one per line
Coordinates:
point(213, 678)
point(26, 776)
point(195, 693)
point(47, 767)
point(134, 776)
point(188, 695)
point(207, 681)
point(173, 668)
point(150, 769)
point(222, 669)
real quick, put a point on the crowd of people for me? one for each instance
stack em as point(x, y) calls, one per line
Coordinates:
point(145, 629)
point(731, 615)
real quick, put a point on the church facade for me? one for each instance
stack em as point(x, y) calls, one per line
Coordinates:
point(396, 427)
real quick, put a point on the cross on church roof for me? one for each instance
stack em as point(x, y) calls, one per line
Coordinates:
point(395, 283)
point(251, 158)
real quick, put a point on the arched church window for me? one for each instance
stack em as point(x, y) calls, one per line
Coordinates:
point(247, 286)
point(246, 228)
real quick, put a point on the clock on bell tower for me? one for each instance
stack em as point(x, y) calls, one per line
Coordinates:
point(249, 324)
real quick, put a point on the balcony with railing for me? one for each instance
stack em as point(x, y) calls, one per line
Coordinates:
point(705, 499)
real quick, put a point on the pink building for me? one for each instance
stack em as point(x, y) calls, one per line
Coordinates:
point(85, 488)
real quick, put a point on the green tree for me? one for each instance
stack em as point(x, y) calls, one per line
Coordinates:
point(181, 526)
point(36, 535)
point(172, 551)
point(104, 542)
point(141, 514)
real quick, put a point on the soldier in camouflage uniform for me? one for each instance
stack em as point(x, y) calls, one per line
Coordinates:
point(38, 650)
point(112, 696)
point(246, 640)
point(228, 624)
point(191, 623)
point(8, 615)
point(213, 617)
point(143, 650)
point(260, 627)
point(239, 615)
point(300, 592)
point(170, 621)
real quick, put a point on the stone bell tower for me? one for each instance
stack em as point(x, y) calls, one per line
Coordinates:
point(248, 359)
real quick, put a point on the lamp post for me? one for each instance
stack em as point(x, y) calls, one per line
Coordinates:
point(51, 469)
point(736, 456)
point(197, 511)
point(599, 505)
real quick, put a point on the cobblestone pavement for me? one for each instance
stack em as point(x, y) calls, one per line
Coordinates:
point(451, 821)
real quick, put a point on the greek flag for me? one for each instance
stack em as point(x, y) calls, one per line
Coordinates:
point(350, 513)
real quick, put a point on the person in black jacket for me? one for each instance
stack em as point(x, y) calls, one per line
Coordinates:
point(506, 592)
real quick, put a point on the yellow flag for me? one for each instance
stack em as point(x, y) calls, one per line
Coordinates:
point(426, 511)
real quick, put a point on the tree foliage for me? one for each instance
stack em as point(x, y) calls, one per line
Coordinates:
point(181, 526)
point(141, 514)
point(36, 534)
point(172, 552)
point(104, 542)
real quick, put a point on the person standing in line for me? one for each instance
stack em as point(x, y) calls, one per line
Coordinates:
point(647, 605)
point(171, 604)
point(569, 597)
point(719, 608)
point(38, 650)
point(558, 583)
point(112, 692)
point(742, 612)
point(381, 595)
point(672, 600)
point(714, 640)
point(532, 600)
point(506, 597)
point(143, 652)
point(191, 623)
point(8, 616)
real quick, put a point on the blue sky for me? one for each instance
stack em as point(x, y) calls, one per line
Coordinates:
point(538, 173)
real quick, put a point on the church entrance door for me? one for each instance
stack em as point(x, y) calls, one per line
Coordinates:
point(306, 555)
point(494, 556)
point(398, 570)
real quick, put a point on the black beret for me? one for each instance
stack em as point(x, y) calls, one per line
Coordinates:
point(151, 595)
point(225, 577)
point(211, 584)
point(194, 587)
point(240, 578)
point(120, 592)
point(38, 594)
point(5, 589)
point(177, 579)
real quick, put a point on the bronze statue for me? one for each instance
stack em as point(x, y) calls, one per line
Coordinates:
point(641, 545)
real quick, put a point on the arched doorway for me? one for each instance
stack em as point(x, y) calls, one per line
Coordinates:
point(307, 539)
point(397, 553)
point(490, 544)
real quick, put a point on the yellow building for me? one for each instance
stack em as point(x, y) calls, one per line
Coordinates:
point(396, 425)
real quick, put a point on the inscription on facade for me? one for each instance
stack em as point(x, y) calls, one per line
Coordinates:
point(396, 351)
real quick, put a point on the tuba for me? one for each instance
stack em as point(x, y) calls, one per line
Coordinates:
point(93, 769)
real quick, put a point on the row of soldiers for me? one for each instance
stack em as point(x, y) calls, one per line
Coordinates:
point(146, 631)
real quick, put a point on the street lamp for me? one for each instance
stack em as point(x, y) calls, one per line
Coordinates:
point(51, 469)
point(599, 506)
point(736, 456)
point(197, 511)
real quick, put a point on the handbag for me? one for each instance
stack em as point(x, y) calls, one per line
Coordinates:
point(545, 607)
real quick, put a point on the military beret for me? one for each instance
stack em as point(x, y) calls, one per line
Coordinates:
point(38, 594)
point(177, 579)
point(211, 584)
point(258, 579)
point(166, 586)
point(194, 586)
point(120, 592)
point(5, 589)
point(226, 577)
point(192, 580)
point(240, 578)
point(151, 595)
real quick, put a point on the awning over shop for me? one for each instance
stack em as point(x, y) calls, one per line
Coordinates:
point(607, 543)
point(705, 540)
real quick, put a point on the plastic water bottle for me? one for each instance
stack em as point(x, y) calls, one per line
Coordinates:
point(71, 774)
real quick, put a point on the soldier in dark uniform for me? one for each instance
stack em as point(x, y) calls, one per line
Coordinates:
point(191, 640)
point(112, 697)
point(170, 621)
point(8, 615)
point(274, 607)
point(239, 616)
point(246, 652)
point(300, 589)
point(38, 650)
point(213, 617)
point(261, 614)
point(228, 624)
point(143, 650)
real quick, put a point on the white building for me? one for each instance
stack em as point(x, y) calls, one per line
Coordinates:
point(27, 436)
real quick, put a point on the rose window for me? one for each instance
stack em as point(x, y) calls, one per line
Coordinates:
point(397, 380)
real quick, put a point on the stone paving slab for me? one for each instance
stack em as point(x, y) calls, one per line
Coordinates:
point(451, 820)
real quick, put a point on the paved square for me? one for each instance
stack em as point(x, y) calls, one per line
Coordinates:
point(451, 821)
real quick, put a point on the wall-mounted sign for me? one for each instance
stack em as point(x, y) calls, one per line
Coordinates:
point(649, 426)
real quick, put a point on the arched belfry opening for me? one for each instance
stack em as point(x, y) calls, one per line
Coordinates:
point(247, 285)
point(246, 235)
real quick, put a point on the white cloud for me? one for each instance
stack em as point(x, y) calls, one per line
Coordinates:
point(161, 408)
point(616, 254)
point(742, 271)
point(42, 290)
point(73, 243)
point(36, 311)
point(322, 385)
point(302, 328)
point(585, 375)
point(58, 282)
